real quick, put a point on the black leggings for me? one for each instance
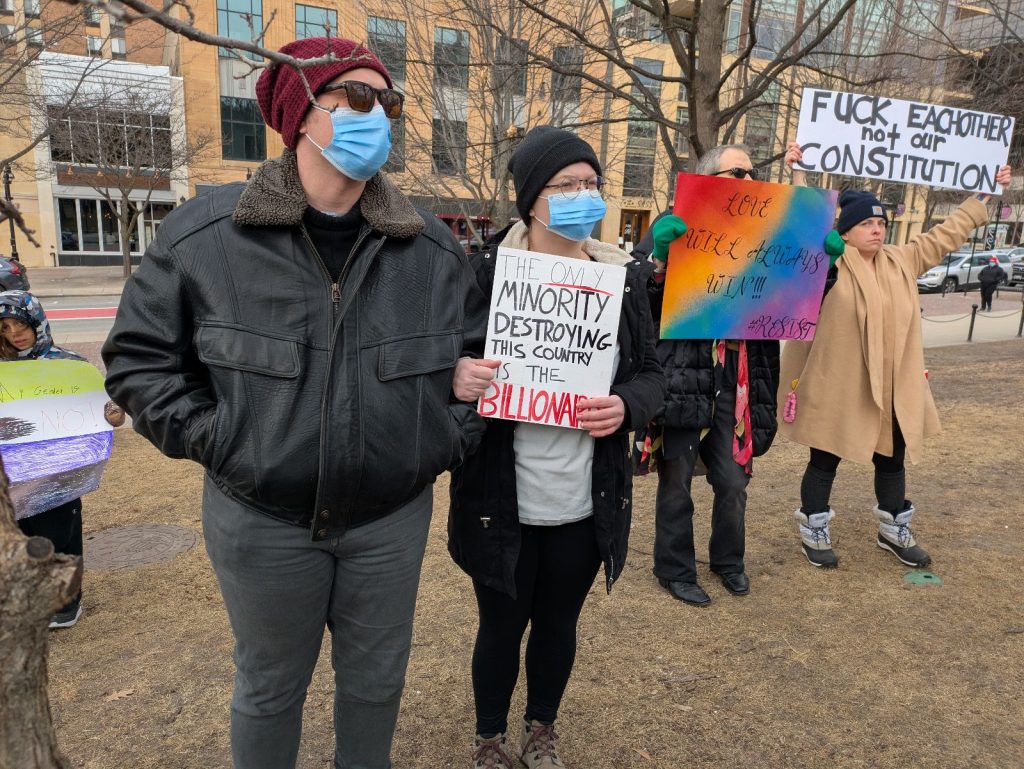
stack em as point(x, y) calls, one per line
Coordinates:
point(62, 525)
point(554, 573)
point(890, 477)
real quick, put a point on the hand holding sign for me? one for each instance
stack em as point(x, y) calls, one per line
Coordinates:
point(472, 377)
point(664, 231)
point(601, 416)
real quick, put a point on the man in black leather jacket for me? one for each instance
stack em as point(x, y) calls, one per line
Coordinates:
point(297, 336)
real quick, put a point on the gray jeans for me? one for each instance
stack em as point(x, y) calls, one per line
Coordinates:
point(281, 590)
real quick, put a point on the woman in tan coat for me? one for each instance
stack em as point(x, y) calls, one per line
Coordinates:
point(860, 388)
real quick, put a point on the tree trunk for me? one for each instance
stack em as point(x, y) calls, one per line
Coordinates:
point(34, 583)
point(126, 247)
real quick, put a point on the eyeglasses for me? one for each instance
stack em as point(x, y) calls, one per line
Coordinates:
point(571, 187)
point(739, 173)
point(361, 96)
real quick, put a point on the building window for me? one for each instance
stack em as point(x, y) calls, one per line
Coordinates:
point(242, 129)
point(386, 38)
point(94, 45)
point(451, 58)
point(110, 138)
point(566, 86)
point(311, 21)
point(32, 9)
point(118, 48)
point(759, 133)
point(92, 15)
point(396, 160)
point(240, 19)
point(6, 33)
point(510, 66)
point(91, 226)
point(448, 146)
point(638, 173)
point(34, 36)
point(683, 134)
point(6, 6)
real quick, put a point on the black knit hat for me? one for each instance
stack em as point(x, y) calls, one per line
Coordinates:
point(857, 205)
point(542, 153)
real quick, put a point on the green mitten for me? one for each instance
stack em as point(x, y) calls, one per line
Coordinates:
point(665, 230)
point(834, 246)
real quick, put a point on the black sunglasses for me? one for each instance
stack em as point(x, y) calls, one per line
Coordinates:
point(361, 97)
point(739, 173)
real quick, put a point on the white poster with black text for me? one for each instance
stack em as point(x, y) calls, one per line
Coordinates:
point(875, 137)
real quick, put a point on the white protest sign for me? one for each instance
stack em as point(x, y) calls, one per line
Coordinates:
point(553, 325)
point(875, 137)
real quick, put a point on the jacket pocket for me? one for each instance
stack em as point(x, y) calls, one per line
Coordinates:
point(245, 350)
point(418, 355)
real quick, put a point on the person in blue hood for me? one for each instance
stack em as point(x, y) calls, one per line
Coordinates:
point(25, 335)
point(25, 329)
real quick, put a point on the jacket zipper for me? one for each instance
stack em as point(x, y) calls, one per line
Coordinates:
point(335, 288)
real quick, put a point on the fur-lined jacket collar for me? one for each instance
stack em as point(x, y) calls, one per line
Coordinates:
point(274, 198)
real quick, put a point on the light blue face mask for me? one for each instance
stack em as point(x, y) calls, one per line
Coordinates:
point(574, 218)
point(361, 141)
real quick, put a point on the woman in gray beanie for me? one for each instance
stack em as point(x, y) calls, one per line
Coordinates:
point(537, 509)
point(860, 390)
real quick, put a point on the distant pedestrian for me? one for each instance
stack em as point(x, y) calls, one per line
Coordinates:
point(990, 278)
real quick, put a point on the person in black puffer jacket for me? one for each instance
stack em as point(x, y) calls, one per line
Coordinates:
point(538, 508)
point(700, 419)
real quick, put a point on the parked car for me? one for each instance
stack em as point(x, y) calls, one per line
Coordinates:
point(960, 270)
point(1016, 271)
point(13, 275)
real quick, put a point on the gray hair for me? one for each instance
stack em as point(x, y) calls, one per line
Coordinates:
point(708, 163)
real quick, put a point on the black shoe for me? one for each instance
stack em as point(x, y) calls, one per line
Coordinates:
point(67, 616)
point(736, 583)
point(687, 592)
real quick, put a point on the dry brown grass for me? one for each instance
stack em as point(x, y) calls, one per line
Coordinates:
point(852, 668)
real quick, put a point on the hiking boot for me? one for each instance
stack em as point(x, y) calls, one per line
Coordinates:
point(815, 538)
point(894, 535)
point(491, 753)
point(539, 746)
point(67, 616)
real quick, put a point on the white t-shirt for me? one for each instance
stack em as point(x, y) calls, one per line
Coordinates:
point(554, 481)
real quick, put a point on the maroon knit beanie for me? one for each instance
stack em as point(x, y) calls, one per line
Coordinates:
point(283, 99)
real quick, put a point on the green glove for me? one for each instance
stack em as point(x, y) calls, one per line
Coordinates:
point(665, 230)
point(834, 247)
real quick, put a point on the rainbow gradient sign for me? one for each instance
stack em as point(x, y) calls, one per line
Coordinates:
point(752, 263)
point(54, 438)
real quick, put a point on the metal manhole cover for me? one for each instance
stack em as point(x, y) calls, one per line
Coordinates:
point(128, 547)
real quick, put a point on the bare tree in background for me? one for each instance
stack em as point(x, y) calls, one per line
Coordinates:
point(125, 143)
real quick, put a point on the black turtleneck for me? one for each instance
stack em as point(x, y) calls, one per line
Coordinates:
point(333, 236)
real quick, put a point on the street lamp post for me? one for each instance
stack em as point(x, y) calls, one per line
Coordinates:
point(8, 178)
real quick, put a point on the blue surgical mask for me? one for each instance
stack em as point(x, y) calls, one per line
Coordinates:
point(574, 218)
point(360, 144)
